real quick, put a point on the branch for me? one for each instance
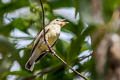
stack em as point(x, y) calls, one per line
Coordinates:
point(84, 57)
point(51, 50)
point(45, 71)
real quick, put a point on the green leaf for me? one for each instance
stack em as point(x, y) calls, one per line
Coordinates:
point(24, 59)
point(60, 48)
point(11, 6)
point(108, 8)
point(6, 45)
point(75, 28)
point(6, 29)
point(58, 75)
point(54, 4)
point(21, 24)
point(76, 43)
point(84, 11)
point(19, 73)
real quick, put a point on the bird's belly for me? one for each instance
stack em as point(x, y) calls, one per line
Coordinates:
point(51, 40)
point(53, 36)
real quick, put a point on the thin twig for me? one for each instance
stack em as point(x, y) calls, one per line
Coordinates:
point(45, 71)
point(51, 50)
point(25, 38)
point(84, 57)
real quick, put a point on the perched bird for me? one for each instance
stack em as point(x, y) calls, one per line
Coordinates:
point(52, 32)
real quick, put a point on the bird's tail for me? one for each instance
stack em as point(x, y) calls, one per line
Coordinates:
point(36, 55)
point(30, 64)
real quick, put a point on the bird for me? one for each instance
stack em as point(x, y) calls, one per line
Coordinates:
point(52, 32)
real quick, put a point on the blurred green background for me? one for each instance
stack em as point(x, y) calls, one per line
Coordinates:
point(20, 22)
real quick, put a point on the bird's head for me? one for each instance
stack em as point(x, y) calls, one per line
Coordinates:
point(60, 22)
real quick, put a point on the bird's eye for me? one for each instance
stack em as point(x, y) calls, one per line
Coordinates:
point(57, 20)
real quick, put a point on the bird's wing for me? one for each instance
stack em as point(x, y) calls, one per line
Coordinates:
point(38, 39)
point(45, 52)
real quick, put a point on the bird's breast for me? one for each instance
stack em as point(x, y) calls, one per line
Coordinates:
point(53, 34)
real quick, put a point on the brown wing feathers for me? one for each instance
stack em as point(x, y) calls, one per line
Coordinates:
point(37, 40)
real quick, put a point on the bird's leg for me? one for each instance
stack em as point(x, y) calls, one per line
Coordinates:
point(46, 51)
point(51, 51)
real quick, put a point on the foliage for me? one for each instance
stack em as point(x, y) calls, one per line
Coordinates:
point(30, 22)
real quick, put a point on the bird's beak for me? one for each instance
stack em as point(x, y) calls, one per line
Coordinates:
point(64, 21)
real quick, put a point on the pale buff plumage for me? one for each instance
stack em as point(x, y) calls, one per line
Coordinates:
point(52, 34)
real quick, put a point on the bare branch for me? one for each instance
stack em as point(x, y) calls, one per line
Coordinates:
point(45, 71)
point(84, 57)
